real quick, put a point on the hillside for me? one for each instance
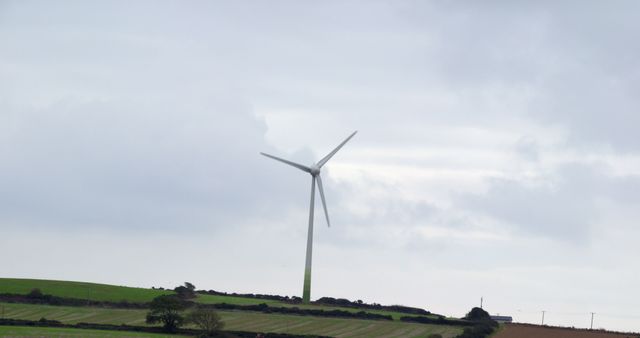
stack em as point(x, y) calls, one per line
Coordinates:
point(82, 290)
point(113, 293)
point(235, 320)
point(106, 292)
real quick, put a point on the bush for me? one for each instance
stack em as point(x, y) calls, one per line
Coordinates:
point(477, 314)
point(186, 291)
point(35, 293)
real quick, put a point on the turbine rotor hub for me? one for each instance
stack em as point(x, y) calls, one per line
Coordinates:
point(315, 171)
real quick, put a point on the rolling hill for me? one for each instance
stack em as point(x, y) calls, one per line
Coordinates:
point(251, 321)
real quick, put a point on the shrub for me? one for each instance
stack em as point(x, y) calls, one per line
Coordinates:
point(186, 291)
point(35, 293)
point(477, 314)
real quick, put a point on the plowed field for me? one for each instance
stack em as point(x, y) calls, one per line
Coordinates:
point(536, 331)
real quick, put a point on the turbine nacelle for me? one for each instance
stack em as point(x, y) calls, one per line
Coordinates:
point(314, 170)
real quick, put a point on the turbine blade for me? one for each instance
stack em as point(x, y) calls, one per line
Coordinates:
point(293, 164)
point(324, 203)
point(328, 157)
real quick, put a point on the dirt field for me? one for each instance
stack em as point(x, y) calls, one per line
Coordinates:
point(536, 331)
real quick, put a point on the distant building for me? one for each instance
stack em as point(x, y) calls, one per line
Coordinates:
point(502, 319)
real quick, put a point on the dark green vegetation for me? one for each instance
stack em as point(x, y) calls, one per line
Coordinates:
point(477, 314)
point(116, 305)
point(483, 327)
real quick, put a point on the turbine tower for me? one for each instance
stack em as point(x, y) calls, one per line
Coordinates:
point(314, 171)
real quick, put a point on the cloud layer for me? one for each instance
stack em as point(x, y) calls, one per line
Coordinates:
point(496, 156)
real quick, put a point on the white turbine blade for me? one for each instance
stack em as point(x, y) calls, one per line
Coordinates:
point(293, 164)
point(324, 203)
point(328, 157)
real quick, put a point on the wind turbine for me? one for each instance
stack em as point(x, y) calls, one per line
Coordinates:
point(314, 171)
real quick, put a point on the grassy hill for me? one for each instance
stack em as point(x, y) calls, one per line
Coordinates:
point(82, 290)
point(106, 292)
point(234, 320)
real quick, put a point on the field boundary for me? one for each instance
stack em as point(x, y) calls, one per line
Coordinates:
point(134, 328)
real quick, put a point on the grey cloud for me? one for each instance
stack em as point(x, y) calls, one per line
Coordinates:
point(625, 190)
point(110, 164)
point(527, 148)
point(563, 205)
point(373, 214)
point(122, 117)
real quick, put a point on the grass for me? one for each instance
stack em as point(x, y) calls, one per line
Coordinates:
point(82, 290)
point(30, 331)
point(105, 292)
point(238, 320)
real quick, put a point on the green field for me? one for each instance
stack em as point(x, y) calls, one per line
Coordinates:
point(28, 331)
point(105, 292)
point(82, 290)
point(237, 320)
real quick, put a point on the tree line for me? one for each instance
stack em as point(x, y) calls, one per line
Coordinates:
point(373, 306)
point(342, 302)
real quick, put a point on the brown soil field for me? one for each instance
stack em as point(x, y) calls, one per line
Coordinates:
point(537, 331)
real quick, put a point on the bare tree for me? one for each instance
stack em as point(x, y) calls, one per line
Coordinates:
point(206, 319)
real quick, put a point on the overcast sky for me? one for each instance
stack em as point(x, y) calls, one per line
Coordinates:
point(497, 153)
